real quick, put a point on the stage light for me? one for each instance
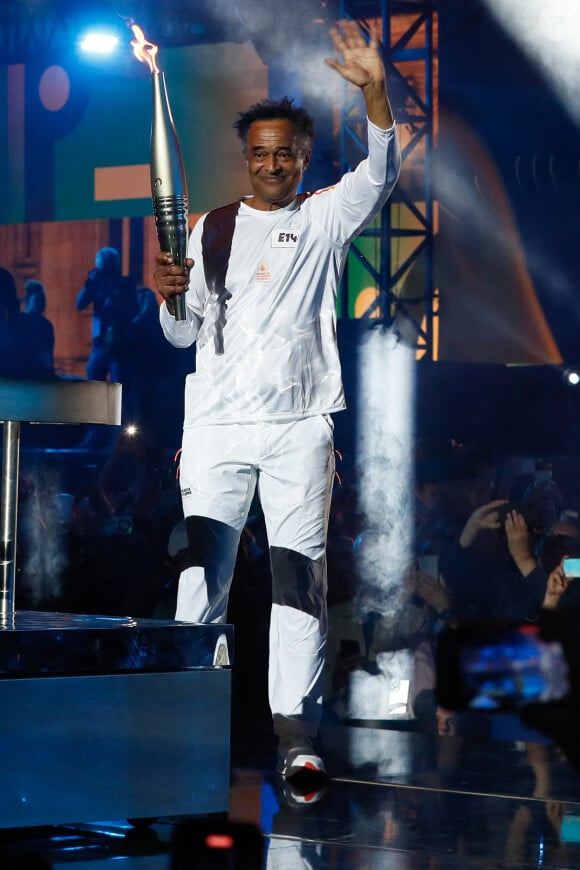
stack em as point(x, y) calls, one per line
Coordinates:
point(99, 42)
point(571, 377)
point(131, 430)
point(548, 33)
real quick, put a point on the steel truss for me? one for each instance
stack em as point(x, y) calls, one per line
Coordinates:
point(403, 233)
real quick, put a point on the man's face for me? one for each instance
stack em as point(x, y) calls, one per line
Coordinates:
point(276, 163)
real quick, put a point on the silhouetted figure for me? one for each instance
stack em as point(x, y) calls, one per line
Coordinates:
point(491, 569)
point(40, 332)
point(153, 369)
point(26, 340)
point(9, 312)
point(114, 300)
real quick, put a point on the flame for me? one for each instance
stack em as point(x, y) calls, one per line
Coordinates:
point(143, 50)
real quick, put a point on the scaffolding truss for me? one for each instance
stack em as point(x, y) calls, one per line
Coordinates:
point(394, 255)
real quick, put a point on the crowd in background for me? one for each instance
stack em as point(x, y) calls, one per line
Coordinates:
point(488, 533)
point(114, 544)
point(26, 337)
point(126, 344)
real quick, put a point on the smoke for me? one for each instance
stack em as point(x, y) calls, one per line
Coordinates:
point(385, 469)
point(384, 694)
point(294, 37)
point(320, 83)
point(44, 554)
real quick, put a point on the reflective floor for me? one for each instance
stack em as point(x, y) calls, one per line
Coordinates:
point(396, 799)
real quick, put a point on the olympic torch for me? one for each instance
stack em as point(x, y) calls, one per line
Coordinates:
point(168, 180)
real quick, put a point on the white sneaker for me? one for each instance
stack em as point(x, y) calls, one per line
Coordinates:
point(298, 757)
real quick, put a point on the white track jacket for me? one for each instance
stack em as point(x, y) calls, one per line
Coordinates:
point(266, 342)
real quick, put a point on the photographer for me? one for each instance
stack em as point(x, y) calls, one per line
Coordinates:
point(491, 569)
point(114, 300)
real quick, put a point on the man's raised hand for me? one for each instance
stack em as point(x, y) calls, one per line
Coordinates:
point(362, 64)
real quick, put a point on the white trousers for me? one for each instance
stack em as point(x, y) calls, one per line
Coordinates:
point(292, 466)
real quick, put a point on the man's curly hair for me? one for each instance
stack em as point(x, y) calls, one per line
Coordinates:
point(270, 110)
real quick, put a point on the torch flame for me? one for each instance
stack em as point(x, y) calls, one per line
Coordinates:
point(144, 50)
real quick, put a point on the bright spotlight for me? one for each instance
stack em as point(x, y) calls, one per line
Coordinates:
point(99, 42)
point(548, 33)
point(572, 377)
point(131, 430)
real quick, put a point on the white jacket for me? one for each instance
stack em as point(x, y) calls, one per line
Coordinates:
point(266, 349)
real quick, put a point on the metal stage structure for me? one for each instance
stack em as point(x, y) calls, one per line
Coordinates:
point(112, 718)
point(103, 717)
point(401, 239)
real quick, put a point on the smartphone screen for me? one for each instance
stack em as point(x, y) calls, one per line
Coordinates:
point(570, 829)
point(571, 567)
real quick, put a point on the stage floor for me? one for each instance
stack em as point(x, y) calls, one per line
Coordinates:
point(397, 799)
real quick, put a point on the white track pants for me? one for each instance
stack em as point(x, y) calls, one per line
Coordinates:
point(292, 464)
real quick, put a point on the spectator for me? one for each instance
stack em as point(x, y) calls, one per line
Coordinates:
point(26, 339)
point(491, 571)
point(39, 360)
point(114, 300)
point(9, 314)
point(557, 584)
point(152, 369)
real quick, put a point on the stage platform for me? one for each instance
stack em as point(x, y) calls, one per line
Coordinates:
point(395, 800)
point(112, 718)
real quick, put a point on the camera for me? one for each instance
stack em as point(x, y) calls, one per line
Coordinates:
point(530, 513)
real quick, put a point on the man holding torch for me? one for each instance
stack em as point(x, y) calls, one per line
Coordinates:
point(260, 285)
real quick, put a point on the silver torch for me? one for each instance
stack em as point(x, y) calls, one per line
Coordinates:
point(168, 179)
